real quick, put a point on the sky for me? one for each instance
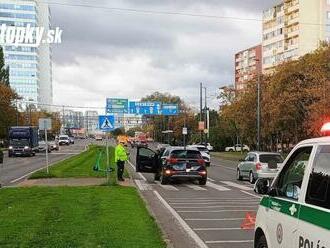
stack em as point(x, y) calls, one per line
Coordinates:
point(112, 53)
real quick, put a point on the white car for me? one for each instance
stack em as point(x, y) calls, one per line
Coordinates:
point(295, 208)
point(204, 152)
point(237, 148)
point(207, 145)
point(63, 140)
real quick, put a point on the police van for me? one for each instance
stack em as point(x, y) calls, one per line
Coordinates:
point(295, 208)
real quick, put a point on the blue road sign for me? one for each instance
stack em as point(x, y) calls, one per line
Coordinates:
point(117, 105)
point(145, 108)
point(106, 123)
point(170, 109)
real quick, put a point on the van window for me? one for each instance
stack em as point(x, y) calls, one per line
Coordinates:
point(318, 191)
point(288, 184)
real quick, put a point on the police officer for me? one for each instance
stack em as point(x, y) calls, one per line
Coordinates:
point(121, 156)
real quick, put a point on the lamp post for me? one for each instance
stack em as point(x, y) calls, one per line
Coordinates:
point(258, 103)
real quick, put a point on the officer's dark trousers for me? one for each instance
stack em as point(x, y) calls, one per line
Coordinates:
point(120, 169)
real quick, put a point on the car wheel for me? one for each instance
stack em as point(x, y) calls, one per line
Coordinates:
point(261, 242)
point(251, 177)
point(238, 175)
point(202, 181)
point(9, 155)
point(163, 179)
point(231, 150)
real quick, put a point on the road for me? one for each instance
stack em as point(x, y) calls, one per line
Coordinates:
point(202, 216)
point(16, 169)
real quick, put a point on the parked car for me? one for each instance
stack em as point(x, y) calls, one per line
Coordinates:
point(98, 137)
point(204, 152)
point(54, 145)
point(207, 145)
point(63, 140)
point(71, 139)
point(259, 165)
point(237, 148)
point(174, 163)
point(43, 146)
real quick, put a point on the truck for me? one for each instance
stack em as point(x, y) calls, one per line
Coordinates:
point(23, 141)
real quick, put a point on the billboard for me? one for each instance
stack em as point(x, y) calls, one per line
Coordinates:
point(117, 106)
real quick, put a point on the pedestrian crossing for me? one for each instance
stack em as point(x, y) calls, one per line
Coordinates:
point(222, 186)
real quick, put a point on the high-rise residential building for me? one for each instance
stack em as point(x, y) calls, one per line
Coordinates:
point(30, 67)
point(91, 121)
point(293, 28)
point(247, 66)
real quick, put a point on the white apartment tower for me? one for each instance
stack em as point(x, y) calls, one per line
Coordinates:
point(293, 28)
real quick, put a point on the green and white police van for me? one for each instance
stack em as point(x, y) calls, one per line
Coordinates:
point(295, 208)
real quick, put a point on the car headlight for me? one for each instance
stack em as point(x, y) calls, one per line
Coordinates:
point(26, 147)
point(10, 148)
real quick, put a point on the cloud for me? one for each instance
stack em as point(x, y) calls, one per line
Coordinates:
point(118, 54)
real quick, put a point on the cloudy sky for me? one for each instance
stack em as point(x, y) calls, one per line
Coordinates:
point(113, 53)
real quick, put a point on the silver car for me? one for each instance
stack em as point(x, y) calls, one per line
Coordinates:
point(259, 165)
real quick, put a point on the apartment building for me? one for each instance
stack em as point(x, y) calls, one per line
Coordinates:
point(293, 28)
point(248, 64)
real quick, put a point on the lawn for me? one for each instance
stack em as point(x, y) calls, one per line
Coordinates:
point(233, 156)
point(81, 165)
point(76, 217)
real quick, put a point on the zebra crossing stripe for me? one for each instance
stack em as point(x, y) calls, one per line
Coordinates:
point(167, 187)
point(217, 186)
point(195, 187)
point(236, 185)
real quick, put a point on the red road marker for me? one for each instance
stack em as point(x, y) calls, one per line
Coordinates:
point(249, 221)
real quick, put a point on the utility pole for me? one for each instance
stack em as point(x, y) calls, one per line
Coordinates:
point(16, 112)
point(201, 108)
point(63, 118)
point(205, 113)
point(258, 106)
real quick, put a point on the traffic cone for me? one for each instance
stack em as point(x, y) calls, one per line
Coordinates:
point(249, 221)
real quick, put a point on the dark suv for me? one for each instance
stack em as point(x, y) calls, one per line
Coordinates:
point(173, 163)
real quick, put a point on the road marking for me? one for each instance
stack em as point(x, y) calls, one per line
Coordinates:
point(224, 219)
point(217, 187)
point(210, 179)
point(215, 211)
point(240, 203)
point(236, 185)
point(142, 185)
point(64, 153)
point(209, 199)
point(217, 229)
point(228, 241)
point(139, 173)
point(251, 194)
point(195, 187)
point(185, 226)
point(219, 206)
point(167, 187)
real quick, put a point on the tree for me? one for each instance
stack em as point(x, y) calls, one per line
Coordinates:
point(4, 71)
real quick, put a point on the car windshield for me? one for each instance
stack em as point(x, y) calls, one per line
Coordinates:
point(270, 158)
point(63, 138)
point(190, 154)
point(202, 149)
point(21, 142)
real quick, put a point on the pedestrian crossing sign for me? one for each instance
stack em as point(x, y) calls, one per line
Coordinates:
point(106, 122)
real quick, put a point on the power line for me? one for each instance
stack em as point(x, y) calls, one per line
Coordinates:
point(165, 12)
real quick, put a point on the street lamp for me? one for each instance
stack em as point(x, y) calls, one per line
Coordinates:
point(258, 103)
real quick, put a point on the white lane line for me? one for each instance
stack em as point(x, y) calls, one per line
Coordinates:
point(139, 173)
point(167, 187)
point(195, 187)
point(218, 206)
point(210, 179)
point(210, 199)
point(239, 203)
point(251, 194)
point(215, 211)
point(218, 229)
point(142, 185)
point(236, 185)
point(63, 153)
point(223, 219)
point(228, 241)
point(217, 186)
point(185, 226)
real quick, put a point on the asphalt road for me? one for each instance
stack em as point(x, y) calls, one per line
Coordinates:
point(16, 169)
point(202, 216)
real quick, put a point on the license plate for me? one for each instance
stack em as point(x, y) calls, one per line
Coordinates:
point(188, 170)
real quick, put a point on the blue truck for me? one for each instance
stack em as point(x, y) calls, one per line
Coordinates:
point(23, 141)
